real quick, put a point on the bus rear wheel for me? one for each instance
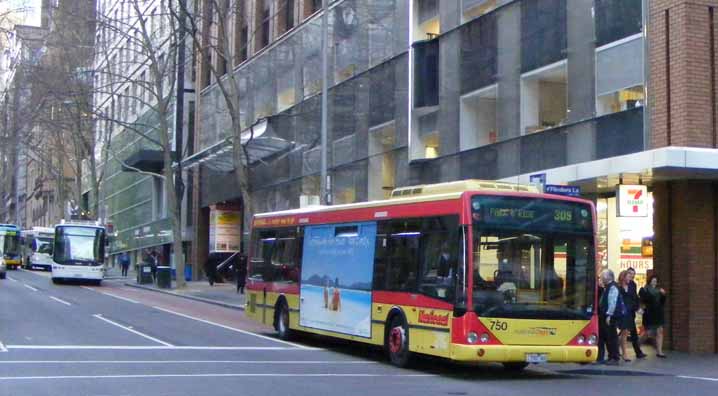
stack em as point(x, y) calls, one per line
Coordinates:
point(282, 322)
point(397, 342)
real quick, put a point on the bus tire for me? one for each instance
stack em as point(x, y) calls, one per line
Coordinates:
point(56, 281)
point(396, 341)
point(3, 275)
point(515, 367)
point(281, 321)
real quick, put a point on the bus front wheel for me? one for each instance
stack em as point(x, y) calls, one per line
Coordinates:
point(282, 322)
point(397, 342)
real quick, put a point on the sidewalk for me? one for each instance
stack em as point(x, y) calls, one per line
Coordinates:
point(222, 294)
point(677, 364)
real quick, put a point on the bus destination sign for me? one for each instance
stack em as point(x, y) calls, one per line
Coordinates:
point(531, 214)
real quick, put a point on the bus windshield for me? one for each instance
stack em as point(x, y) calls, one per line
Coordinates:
point(42, 245)
point(79, 245)
point(9, 244)
point(533, 258)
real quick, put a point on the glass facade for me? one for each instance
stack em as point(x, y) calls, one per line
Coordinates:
point(513, 87)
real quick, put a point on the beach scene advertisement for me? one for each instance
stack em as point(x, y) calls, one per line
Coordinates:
point(337, 273)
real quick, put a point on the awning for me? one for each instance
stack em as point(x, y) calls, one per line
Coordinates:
point(645, 167)
point(264, 144)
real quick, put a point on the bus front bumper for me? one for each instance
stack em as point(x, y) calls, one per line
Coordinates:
point(524, 353)
point(12, 262)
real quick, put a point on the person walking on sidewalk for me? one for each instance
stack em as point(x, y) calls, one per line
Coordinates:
point(607, 315)
point(601, 338)
point(241, 272)
point(633, 306)
point(210, 269)
point(654, 300)
point(124, 263)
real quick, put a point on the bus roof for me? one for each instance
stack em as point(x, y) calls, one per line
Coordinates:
point(418, 194)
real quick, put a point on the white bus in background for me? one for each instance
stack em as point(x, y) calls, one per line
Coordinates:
point(38, 248)
point(79, 252)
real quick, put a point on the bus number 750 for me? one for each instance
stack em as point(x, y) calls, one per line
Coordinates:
point(499, 325)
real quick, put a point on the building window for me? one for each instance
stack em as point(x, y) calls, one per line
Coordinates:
point(285, 16)
point(478, 118)
point(240, 33)
point(381, 35)
point(346, 43)
point(544, 98)
point(544, 37)
point(429, 142)
point(620, 77)
point(311, 6)
point(475, 8)
point(158, 198)
point(382, 174)
point(426, 20)
point(262, 20)
point(617, 19)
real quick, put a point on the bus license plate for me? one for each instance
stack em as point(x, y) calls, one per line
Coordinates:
point(536, 358)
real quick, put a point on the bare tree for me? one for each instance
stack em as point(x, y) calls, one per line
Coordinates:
point(137, 53)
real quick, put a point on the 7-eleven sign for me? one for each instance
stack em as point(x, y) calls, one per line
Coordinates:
point(632, 201)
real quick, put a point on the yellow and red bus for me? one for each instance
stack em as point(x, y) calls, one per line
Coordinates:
point(472, 271)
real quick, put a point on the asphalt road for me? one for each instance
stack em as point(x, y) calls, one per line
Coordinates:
point(113, 340)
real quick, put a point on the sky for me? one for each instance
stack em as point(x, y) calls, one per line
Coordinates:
point(32, 16)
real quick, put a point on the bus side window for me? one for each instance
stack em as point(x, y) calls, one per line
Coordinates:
point(403, 266)
point(381, 256)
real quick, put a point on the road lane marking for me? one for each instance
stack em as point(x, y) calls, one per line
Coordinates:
point(60, 301)
point(133, 331)
point(120, 297)
point(232, 328)
point(698, 378)
point(29, 287)
point(12, 279)
point(351, 362)
point(209, 375)
point(2, 347)
point(88, 288)
point(152, 347)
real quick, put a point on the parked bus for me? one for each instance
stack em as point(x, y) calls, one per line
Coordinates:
point(469, 271)
point(10, 246)
point(37, 248)
point(78, 252)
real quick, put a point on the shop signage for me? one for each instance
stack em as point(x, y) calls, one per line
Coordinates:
point(632, 201)
point(570, 191)
point(225, 230)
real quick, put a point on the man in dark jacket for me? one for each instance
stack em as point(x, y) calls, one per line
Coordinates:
point(241, 271)
point(606, 320)
point(633, 305)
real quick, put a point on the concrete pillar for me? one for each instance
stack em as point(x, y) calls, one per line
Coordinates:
point(685, 260)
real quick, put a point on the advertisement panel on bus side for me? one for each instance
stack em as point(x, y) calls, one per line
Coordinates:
point(337, 272)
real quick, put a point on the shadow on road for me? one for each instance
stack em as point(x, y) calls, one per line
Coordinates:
point(436, 366)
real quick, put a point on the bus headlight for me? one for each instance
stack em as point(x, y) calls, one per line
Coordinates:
point(592, 339)
point(472, 337)
point(484, 338)
point(581, 339)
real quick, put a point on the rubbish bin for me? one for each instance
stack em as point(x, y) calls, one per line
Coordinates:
point(144, 274)
point(188, 272)
point(164, 277)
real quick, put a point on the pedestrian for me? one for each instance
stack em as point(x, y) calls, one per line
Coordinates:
point(241, 272)
point(654, 300)
point(152, 260)
point(210, 269)
point(633, 306)
point(607, 315)
point(124, 263)
point(601, 339)
point(624, 324)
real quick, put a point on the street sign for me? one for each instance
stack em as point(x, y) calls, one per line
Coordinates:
point(570, 191)
point(538, 180)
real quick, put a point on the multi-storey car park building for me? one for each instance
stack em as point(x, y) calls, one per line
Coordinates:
point(590, 93)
